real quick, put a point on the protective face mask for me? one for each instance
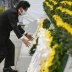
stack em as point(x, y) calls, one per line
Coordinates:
point(22, 13)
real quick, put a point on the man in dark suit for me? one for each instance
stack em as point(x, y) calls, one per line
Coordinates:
point(8, 22)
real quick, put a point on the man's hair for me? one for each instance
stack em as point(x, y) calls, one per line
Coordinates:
point(23, 4)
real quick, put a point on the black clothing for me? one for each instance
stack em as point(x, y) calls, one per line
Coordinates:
point(9, 70)
point(9, 55)
point(8, 22)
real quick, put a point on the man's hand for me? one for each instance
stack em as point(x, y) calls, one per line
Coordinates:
point(26, 41)
point(29, 36)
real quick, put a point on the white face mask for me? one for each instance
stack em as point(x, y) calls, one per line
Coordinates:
point(22, 13)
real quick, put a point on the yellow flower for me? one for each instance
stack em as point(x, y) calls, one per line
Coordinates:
point(50, 60)
point(47, 70)
point(41, 25)
point(42, 66)
point(47, 63)
point(53, 49)
point(51, 39)
point(53, 1)
point(60, 23)
point(53, 52)
point(66, 11)
point(67, 2)
point(55, 46)
point(51, 7)
point(48, 34)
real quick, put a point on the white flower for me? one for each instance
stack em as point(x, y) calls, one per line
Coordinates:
point(42, 51)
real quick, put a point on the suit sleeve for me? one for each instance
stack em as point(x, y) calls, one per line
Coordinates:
point(21, 29)
point(12, 20)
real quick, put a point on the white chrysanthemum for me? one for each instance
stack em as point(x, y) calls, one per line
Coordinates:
point(42, 51)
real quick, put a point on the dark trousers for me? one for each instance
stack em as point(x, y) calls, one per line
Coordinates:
point(9, 54)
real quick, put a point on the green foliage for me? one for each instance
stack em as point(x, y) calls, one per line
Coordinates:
point(33, 49)
point(66, 6)
point(48, 11)
point(46, 24)
point(65, 17)
point(59, 34)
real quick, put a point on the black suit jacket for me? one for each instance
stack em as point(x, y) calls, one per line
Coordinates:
point(8, 22)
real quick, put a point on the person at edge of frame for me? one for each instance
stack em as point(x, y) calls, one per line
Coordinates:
point(8, 22)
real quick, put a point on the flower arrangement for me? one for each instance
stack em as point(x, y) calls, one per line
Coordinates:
point(42, 49)
point(43, 24)
point(60, 15)
point(59, 38)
